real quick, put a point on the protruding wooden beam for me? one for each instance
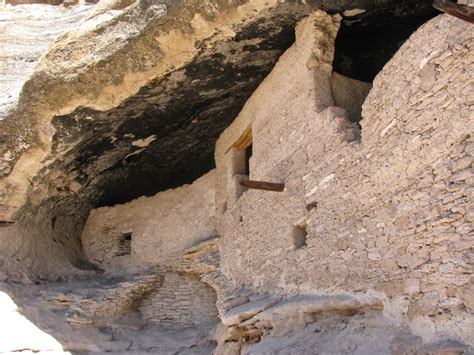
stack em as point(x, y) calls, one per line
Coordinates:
point(464, 12)
point(6, 223)
point(263, 185)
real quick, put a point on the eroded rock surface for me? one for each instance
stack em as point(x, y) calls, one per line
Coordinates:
point(174, 73)
point(25, 33)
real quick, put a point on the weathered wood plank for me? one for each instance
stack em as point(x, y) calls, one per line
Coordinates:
point(263, 185)
point(464, 12)
point(244, 140)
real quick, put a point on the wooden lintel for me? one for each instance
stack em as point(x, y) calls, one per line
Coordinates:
point(464, 12)
point(244, 140)
point(263, 185)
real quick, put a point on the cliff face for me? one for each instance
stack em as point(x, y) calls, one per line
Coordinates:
point(132, 100)
point(25, 33)
point(368, 248)
point(181, 63)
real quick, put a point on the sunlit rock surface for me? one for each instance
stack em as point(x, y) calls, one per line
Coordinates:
point(18, 334)
point(25, 33)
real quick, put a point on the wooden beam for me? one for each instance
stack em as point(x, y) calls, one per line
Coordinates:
point(463, 12)
point(262, 185)
point(243, 141)
point(6, 223)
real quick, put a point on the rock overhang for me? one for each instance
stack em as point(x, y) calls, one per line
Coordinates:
point(180, 115)
point(89, 109)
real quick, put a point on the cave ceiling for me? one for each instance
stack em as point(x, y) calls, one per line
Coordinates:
point(163, 135)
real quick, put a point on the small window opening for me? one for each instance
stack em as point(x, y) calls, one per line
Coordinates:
point(124, 245)
point(241, 152)
point(248, 155)
point(238, 155)
point(299, 237)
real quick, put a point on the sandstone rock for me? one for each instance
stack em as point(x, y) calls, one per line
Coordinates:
point(412, 260)
point(461, 245)
point(411, 286)
point(342, 244)
point(389, 265)
point(235, 302)
point(391, 288)
point(349, 94)
point(240, 292)
point(229, 348)
point(257, 297)
point(24, 43)
point(468, 296)
point(462, 175)
point(451, 291)
point(414, 345)
point(462, 163)
point(13, 324)
point(245, 311)
point(425, 306)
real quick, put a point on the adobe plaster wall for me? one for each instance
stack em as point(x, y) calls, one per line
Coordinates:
point(184, 216)
point(390, 211)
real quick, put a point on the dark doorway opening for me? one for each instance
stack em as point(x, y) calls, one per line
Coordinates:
point(367, 41)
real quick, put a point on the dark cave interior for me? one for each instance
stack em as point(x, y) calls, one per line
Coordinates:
point(364, 46)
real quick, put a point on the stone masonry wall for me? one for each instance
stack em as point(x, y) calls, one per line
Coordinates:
point(154, 229)
point(384, 209)
point(181, 301)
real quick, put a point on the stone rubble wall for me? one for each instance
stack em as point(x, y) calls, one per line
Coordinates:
point(387, 208)
point(384, 207)
point(181, 301)
point(160, 227)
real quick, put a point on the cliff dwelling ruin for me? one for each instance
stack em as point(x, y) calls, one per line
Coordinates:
point(237, 177)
